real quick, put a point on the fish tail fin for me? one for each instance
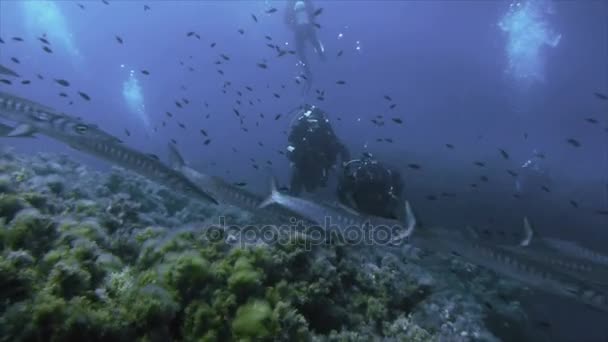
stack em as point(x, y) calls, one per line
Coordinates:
point(21, 131)
point(273, 197)
point(175, 159)
point(410, 219)
point(528, 233)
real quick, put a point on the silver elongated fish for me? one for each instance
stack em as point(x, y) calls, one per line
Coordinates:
point(541, 250)
point(339, 216)
point(35, 118)
point(6, 71)
point(509, 264)
point(228, 193)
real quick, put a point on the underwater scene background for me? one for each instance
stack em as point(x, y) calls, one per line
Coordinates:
point(139, 141)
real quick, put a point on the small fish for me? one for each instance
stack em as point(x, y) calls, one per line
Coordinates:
point(414, 166)
point(268, 37)
point(249, 88)
point(212, 45)
point(184, 100)
point(340, 53)
point(62, 82)
point(145, 72)
point(484, 179)
point(254, 18)
point(573, 203)
point(598, 95)
point(26, 82)
point(190, 34)
point(480, 164)
point(393, 106)
point(545, 189)
point(181, 125)
point(39, 77)
point(1, 41)
point(84, 96)
point(105, 2)
point(169, 114)
point(574, 142)
point(317, 25)
point(179, 105)
point(203, 132)
point(389, 140)
point(591, 120)
point(431, 198)
point(241, 31)
point(276, 95)
point(262, 65)
point(512, 173)
point(398, 120)
point(146, 8)
point(63, 94)
point(241, 184)
point(271, 10)
point(118, 39)
point(318, 12)
point(340, 82)
point(206, 142)
point(450, 146)
point(504, 153)
point(47, 49)
point(601, 212)
point(127, 132)
point(226, 58)
point(15, 60)
point(6, 81)
point(220, 71)
point(277, 117)
point(174, 141)
point(388, 98)
point(17, 39)
point(43, 40)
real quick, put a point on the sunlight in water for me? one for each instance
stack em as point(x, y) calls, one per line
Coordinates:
point(133, 95)
point(528, 33)
point(45, 17)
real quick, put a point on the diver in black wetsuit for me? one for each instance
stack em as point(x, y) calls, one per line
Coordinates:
point(299, 16)
point(371, 188)
point(313, 149)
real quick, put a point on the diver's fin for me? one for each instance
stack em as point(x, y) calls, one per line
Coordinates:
point(528, 233)
point(175, 159)
point(273, 197)
point(22, 130)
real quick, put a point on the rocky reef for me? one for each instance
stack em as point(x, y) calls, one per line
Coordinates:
point(92, 256)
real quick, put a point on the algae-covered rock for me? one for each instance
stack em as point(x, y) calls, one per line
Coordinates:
point(253, 321)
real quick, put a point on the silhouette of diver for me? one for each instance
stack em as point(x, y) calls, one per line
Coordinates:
point(299, 16)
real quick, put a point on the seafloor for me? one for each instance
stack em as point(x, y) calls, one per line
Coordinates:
point(93, 256)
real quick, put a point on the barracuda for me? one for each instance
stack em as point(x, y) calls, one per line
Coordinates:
point(35, 118)
point(339, 216)
point(528, 271)
point(228, 193)
point(6, 71)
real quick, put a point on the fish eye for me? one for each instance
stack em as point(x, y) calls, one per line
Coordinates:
point(80, 128)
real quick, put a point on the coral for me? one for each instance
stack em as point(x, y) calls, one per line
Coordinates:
point(253, 321)
point(31, 231)
point(10, 206)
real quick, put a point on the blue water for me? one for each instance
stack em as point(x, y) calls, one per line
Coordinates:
point(479, 75)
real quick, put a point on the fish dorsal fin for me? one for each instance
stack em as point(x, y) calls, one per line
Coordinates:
point(528, 233)
point(22, 130)
point(175, 159)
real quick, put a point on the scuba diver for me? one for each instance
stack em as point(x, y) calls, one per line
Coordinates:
point(371, 188)
point(313, 149)
point(299, 16)
point(532, 176)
